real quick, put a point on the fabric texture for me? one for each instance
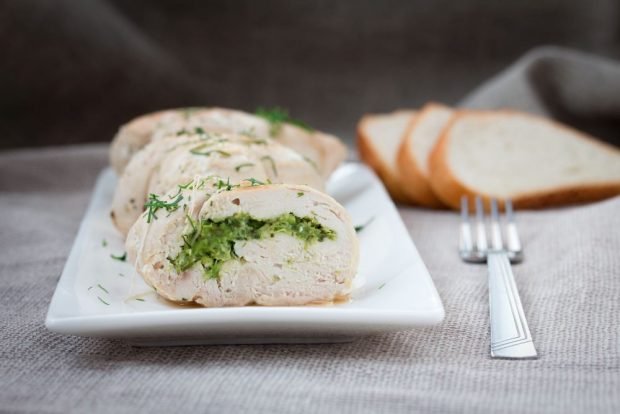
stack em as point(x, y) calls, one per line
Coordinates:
point(579, 89)
point(569, 284)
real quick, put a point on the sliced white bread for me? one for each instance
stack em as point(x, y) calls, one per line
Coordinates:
point(420, 138)
point(378, 140)
point(531, 160)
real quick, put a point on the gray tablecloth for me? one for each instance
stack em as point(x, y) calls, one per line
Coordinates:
point(570, 286)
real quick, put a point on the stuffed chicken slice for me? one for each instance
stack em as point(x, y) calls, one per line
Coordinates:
point(324, 152)
point(166, 163)
point(224, 245)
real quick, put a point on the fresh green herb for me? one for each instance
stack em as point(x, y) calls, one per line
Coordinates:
point(240, 166)
point(309, 161)
point(199, 130)
point(182, 132)
point(120, 258)
point(102, 288)
point(300, 194)
point(272, 162)
point(381, 287)
point(90, 287)
point(257, 142)
point(196, 151)
point(362, 226)
point(154, 203)
point(254, 182)
point(211, 243)
point(277, 117)
point(182, 187)
point(140, 299)
point(103, 301)
point(226, 185)
point(104, 243)
point(121, 275)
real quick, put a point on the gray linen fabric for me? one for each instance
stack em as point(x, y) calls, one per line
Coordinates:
point(570, 287)
point(576, 88)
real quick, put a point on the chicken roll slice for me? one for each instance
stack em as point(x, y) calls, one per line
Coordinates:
point(168, 162)
point(323, 151)
point(278, 245)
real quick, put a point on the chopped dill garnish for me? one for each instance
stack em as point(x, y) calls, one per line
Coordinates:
point(121, 275)
point(199, 130)
point(103, 301)
point(119, 258)
point(246, 164)
point(277, 117)
point(226, 185)
point(257, 142)
point(254, 182)
point(196, 151)
point(272, 162)
point(309, 161)
point(300, 194)
point(104, 243)
point(362, 226)
point(102, 288)
point(140, 299)
point(90, 287)
point(154, 203)
point(381, 287)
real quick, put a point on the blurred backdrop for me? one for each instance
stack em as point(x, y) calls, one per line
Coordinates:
point(73, 71)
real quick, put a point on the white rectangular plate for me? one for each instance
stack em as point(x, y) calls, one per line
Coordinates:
point(98, 296)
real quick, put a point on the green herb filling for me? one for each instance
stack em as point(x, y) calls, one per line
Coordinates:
point(211, 243)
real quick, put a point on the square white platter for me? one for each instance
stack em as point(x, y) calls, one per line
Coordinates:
point(98, 296)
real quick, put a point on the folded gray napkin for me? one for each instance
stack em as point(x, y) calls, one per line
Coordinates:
point(576, 88)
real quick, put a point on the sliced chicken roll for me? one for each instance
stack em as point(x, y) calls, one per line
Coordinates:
point(323, 151)
point(168, 162)
point(278, 244)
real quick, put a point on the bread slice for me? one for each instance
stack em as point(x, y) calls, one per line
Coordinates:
point(378, 140)
point(412, 159)
point(534, 161)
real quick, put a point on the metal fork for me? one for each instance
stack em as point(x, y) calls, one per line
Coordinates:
point(510, 335)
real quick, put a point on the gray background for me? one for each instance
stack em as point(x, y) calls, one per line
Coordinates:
point(72, 71)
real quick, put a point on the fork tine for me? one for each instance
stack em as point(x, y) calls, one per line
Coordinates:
point(496, 231)
point(481, 234)
point(512, 237)
point(466, 245)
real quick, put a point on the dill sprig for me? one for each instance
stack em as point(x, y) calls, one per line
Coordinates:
point(309, 161)
point(196, 151)
point(246, 164)
point(362, 226)
point(277, 117)
point(272, 162)
point(119, 258)
point(154, 203)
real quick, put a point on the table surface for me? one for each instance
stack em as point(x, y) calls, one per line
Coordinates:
point(569, 284)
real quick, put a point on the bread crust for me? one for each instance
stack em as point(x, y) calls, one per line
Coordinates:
point(450, 189)
point(416, 185)
point(369, 155)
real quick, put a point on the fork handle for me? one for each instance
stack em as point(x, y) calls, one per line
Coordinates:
point(510, 335)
